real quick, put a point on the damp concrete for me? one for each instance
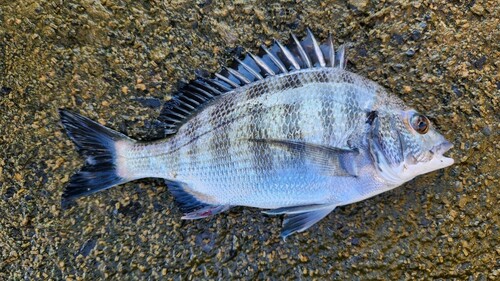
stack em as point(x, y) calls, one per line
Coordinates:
point(118, 61)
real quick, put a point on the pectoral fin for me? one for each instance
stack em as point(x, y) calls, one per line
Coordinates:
point(338, 161)
point(300, 218)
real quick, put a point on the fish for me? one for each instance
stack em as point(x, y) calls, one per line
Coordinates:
point(289, 130)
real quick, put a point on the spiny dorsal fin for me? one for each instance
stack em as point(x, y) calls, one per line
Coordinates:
point(275, 60)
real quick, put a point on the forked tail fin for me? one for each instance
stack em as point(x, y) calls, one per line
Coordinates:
point(97, 144)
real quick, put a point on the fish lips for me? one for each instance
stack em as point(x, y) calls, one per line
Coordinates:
point(410, 169)
point(439, 158)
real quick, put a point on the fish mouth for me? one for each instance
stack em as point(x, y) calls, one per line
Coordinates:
point(439, 151)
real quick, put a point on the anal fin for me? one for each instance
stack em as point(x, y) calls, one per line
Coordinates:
point(204, 212)
point(192, 207)
point(186, 201)
point(300, 218)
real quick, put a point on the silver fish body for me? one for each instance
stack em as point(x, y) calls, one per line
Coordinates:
point(231, 151)
point(298, 142)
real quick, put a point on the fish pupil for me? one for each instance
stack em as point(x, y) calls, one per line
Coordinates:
point(421, 125)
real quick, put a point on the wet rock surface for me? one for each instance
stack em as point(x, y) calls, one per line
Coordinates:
point(115, 61)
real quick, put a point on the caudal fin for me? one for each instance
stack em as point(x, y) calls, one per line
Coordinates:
point(97, 144)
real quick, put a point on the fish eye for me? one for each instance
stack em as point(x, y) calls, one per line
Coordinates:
point(420, 123)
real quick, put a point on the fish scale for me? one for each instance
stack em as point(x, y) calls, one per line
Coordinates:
point(291, 131)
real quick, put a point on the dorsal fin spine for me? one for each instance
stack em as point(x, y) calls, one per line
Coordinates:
point(217, 83)
point(198, 98)
point(169, 119)
point(183, 112)
point(317, 50)
point(177, 114)
point(275, 60)
point(340, 57)
point(288, 55)
point(249, 69)
point(186, 102)
point(197, 92)
point(302, 52)
point(210, 89)
point(226, 80)
point(262, 64)
point(196, 103)
point(182, 107)
point(331, 50)
point(238, 75)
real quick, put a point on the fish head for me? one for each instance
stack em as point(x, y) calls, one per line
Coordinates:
point(405, 144)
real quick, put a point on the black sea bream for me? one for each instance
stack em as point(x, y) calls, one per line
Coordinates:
point(290, 131)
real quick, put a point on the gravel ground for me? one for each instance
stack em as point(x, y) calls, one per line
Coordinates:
point(117, 61)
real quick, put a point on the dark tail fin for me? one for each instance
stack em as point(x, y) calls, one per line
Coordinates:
point(97, 144)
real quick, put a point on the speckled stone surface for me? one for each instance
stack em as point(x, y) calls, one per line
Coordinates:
point(116, 61)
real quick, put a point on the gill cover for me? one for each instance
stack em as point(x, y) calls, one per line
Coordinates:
point(404, 145)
